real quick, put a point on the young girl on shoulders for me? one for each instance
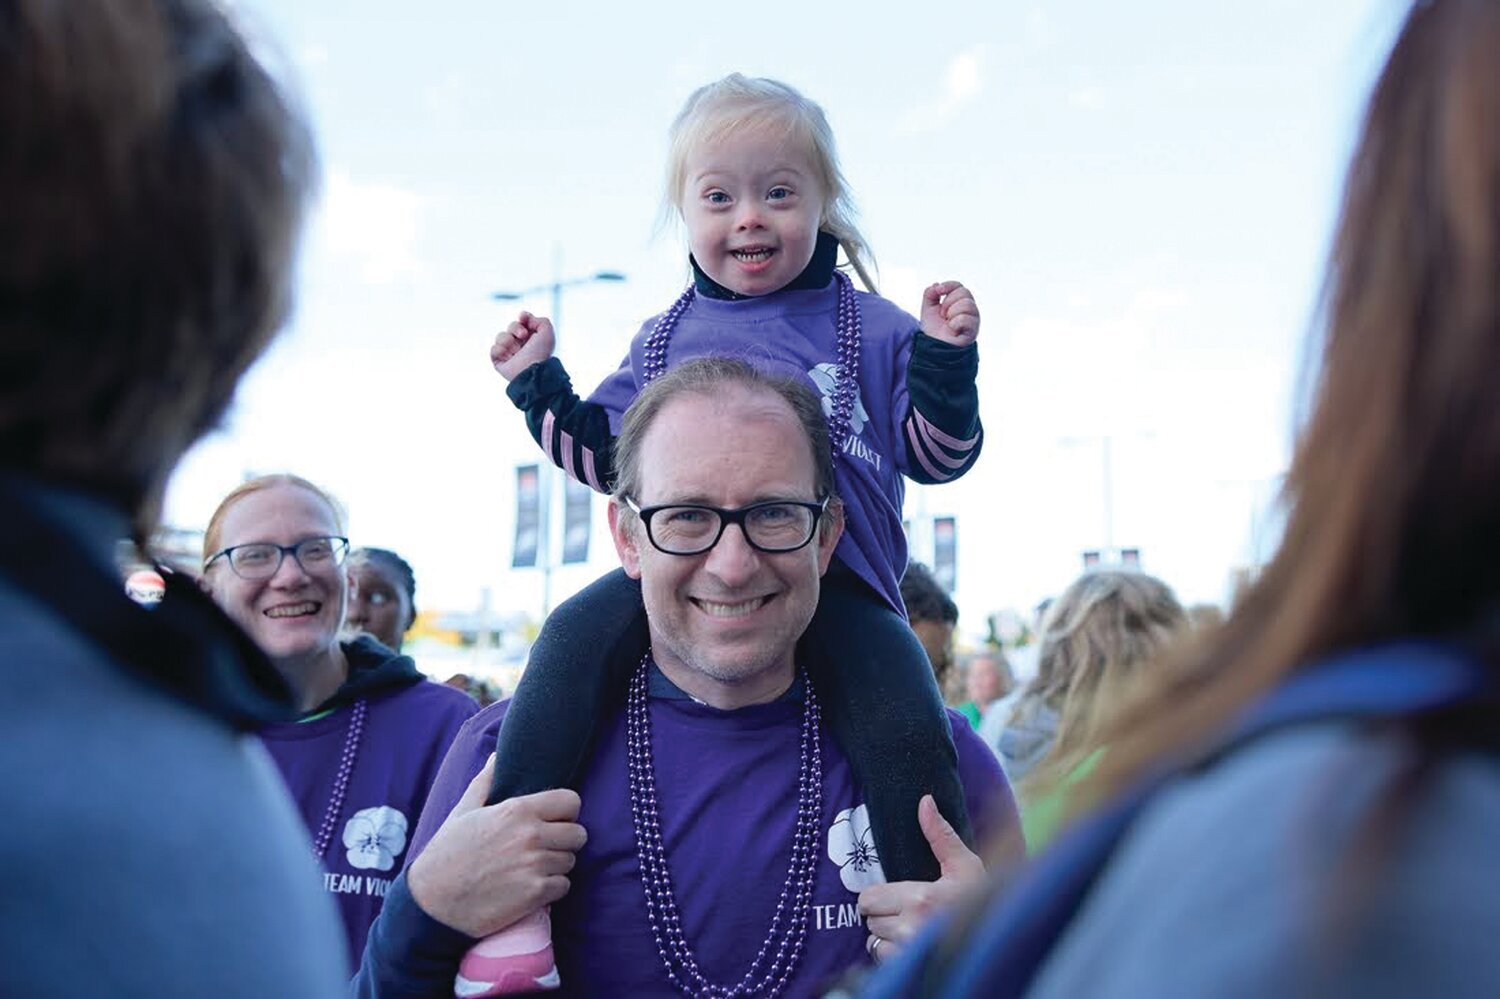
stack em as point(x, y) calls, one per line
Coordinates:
point(754, 177)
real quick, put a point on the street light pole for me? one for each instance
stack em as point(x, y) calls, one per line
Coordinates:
point(1108, 492)
point(555, 288)
point(1106, 442)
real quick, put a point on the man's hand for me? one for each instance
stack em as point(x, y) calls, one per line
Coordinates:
point(895, 912)
point(527, 341)
point(489, 865)
point(950, 314)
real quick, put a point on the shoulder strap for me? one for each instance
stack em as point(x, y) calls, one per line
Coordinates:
point(1009, 942)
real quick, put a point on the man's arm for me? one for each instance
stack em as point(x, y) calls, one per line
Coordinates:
point(895, 912)
point(482, 869)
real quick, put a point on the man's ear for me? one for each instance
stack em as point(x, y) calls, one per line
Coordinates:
point(624, 526)
point(830, 529)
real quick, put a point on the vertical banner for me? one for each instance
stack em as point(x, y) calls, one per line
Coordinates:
point(578, 510)
point(1130, 557)
point(1091, 559)
point(528, 516)
point(945, 552)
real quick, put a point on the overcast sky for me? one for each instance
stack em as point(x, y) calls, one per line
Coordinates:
point(1139, 194)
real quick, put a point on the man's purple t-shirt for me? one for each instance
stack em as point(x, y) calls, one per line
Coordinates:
point(727, 791)
point(791, 333)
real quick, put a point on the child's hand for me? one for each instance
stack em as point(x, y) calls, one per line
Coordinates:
point(525, 342)
point(949, 313)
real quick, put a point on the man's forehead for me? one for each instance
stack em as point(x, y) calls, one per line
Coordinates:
point(695, 438)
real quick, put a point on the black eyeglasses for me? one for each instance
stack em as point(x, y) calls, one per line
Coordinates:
point(262, 560)
point(776, 527)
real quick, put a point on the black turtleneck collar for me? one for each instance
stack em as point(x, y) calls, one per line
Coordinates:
point(373, 668)
point(817, 273)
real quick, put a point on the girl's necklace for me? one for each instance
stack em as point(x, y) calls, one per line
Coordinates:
point(847, 335)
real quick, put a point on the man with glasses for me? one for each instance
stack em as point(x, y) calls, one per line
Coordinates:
point(727, 841)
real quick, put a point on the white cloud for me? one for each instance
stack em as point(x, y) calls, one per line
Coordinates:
point(1087, 98)
point(963, 81)
point(453, 98)
point(1040, 31)
point(372, 226)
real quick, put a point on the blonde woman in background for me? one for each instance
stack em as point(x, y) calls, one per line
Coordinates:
point(1097, 638)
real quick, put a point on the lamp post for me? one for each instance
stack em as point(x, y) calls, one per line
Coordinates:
point(555, 288)
point(1106, 481)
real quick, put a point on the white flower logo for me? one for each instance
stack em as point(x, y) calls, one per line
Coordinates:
point(852, 847)
point(826, 377)
point(375, 838)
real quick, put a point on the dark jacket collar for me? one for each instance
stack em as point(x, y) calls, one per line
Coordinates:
point(52, 544)
point(817, 273)
point(373, 669)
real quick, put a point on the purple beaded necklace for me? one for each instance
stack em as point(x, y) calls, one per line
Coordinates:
point(340, 782)
point(795, 903)
point(847, 333)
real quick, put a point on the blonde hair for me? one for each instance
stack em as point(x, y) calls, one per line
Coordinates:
point(213, 535)
point(1096, 639)
point(725, 107)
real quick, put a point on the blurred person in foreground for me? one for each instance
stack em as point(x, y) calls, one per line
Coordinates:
point(1309, 803)
point(370, 730)
point(153, 179)
point(728, 842)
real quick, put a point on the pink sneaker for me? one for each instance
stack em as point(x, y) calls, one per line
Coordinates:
point(510, 961)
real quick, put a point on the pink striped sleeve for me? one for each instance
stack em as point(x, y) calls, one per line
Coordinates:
point(547, 449)
point(921, 453)
point(933, 433)
point(589, 472)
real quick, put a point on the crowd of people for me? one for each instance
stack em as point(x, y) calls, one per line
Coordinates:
point(730, 768)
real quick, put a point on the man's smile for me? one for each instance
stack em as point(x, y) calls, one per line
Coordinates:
point(714, 608)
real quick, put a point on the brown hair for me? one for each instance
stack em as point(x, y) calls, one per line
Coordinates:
point(1394, 488)
point(213, 535)
point(708, 376)
point(152, 181)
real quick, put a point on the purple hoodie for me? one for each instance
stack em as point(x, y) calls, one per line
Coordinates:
point(410, 722)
